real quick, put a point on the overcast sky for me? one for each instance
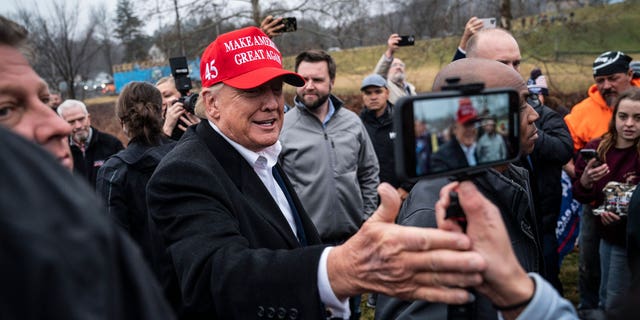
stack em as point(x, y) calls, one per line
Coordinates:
point(10, 7)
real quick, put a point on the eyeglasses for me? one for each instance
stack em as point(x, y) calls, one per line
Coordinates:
point(397, 64)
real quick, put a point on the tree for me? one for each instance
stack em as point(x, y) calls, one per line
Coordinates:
point(104, 32)
point(62, 51)
point(129, 31)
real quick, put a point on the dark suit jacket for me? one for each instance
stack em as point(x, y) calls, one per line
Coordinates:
point(449, 156)
point(234, 255)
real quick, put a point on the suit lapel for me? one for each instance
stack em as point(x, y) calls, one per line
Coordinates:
point(247, 181)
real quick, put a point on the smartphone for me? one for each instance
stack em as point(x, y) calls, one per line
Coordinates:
point(406, 41)
point(290, 24)
point(588, 154)
point(488, 23)
point(427, 124)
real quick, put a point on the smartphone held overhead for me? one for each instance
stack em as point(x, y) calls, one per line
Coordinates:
point(290, 24)
point(488, 23)
point(408, 40)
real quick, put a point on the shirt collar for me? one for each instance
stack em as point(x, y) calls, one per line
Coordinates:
point(256, 159)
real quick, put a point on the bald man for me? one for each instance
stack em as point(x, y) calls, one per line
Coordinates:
point(495, 44)
point(500, 185)
point(552, 150)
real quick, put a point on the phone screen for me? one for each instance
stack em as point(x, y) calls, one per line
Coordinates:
point(434, 127)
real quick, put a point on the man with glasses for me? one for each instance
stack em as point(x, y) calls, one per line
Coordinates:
point(393, 70)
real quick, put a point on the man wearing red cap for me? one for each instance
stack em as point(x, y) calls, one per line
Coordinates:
point(460, 151)
point(239, 243)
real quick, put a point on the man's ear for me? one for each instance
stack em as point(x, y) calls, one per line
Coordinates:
point(211, 106)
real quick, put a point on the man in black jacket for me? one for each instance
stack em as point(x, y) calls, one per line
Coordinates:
point(506, 186)
point(90, 148)
point(239, 240)
point(61, 257)
point(377, 118)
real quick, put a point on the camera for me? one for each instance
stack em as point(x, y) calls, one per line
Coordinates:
point(180, 72)
point(290, 24)
point(406, 41)
point(429, 128)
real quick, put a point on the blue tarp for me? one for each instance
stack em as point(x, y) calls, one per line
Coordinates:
point(152, 74)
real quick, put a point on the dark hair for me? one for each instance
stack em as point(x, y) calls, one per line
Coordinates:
point(610, 137)
point(139, 108)
point(317, 56)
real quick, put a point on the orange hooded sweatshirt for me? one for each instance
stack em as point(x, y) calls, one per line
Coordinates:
point(589, 119)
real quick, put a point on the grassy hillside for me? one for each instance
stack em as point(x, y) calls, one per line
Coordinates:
point(564, 51)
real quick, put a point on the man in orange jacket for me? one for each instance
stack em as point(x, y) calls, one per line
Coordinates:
point(587, 120)
point(590, 118)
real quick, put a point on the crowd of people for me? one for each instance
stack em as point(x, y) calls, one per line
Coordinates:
point(242, 209)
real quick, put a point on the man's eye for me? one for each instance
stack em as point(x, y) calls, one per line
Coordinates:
point(6, 112)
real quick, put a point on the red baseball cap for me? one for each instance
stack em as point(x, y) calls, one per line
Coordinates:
point(244, 59)
point(466, 111)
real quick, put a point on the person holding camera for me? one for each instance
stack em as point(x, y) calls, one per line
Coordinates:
point(393, 69)
point(507, 186)
point(617, 159)
point(176, 118)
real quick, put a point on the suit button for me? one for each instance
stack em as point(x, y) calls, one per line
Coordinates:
point(271, 312)
point(293, 314)
point(282, 312)
point(260, 311)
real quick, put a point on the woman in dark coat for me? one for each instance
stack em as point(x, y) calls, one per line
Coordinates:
point(122, 180)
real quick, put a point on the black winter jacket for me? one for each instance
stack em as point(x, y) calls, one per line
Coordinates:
point(509, 191)
point(552, 150)
point(122, 183)
point(101, 147)
point(382, 137)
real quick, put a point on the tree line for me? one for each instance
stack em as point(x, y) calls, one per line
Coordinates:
point(67, 52)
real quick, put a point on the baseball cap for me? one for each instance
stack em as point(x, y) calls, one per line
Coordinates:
point(245, 58)
point(611, 62)
point(466, 112)
point(373, 80)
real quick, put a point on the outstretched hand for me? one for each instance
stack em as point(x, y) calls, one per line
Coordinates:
point(406, 262)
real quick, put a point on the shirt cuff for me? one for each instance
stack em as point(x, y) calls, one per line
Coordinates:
point(463, 51)
point(339, 308)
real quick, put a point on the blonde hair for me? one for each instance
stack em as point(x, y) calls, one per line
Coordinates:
point(164, 79)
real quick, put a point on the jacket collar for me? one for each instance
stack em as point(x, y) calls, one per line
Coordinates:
point(246, 180)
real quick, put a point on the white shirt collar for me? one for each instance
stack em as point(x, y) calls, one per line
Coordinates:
point(270, 153)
